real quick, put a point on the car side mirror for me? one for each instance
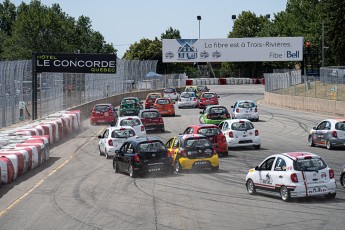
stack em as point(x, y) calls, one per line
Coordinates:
point(117, 151)
point(218, 96)
point(116, 109)
point(201, 112)
point(100, 136)
point(314, 128)
point(180, 134)
point(141, 102)
point(232, 106)
point(257, 168)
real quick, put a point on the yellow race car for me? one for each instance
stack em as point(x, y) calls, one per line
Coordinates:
point(192, 151)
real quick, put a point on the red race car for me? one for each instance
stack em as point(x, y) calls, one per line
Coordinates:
point(151, 119)
point(103, 113)
point(214, 133)
point(208, 98)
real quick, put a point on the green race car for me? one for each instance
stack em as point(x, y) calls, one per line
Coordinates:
point(214, 114)
point(130, 106)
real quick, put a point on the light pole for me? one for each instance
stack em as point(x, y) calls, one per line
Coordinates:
point(199, 19)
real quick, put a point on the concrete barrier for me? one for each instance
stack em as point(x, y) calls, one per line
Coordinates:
point(323, 106)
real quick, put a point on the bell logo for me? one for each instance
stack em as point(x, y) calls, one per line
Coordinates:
point(290, 54)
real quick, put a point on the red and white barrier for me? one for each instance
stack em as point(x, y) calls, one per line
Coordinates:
point(7, 170)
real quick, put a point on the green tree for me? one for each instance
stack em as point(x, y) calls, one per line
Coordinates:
point(171, 33)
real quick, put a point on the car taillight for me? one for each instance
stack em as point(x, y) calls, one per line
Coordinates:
point(142, 128)
point(194, 99)
point(334, 134)
point(256, 110)
point(237, 110)
point(110, 142)
point(256, 132)
point(223, 139)
point(208, 116)
point(183, 152)
point(331, 174)
point(294, 178)
point(227, 115)
point(120, 106)
point(179, 99)
point(93, 112)
point(160, 120)
point(174, 93)
point(136, 158)
point(231, 134)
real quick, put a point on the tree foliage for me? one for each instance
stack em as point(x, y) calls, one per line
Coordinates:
point(38, 28)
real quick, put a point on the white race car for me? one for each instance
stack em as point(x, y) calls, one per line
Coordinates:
point(240, 132)
point(245, 109)
point(113, 138)
point(133, 121)
point(293, 174)
point(171, 93)
point(188, 100)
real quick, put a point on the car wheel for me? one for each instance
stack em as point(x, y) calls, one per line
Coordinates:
point(115, 166)
point(250, 187)
point(171, 171)
point(178, 167)
point(285, 194)
point(173, 115)
point(201, 120)
point(100, 151)
point(215, 169)
point(310, 141)
point(131, 171)
point(106, 154)
point(330, 195)
point(342, 179)
point(163, 130)
point(226, 154)
point(257, 146)
point(329, 145)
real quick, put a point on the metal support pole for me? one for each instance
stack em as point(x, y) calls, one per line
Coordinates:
point(323, 43)
point(34, 87)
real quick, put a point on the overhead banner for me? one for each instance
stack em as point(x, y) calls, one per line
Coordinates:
point(75, 63)
point(233, 49)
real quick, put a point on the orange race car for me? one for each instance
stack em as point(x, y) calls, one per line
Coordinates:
point(165, 106)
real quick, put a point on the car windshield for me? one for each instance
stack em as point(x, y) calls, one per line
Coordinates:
point(190, 89)
point(130, 122)
point(209, 131)
point(218, 110)
point(311, 164)
point(102, 108)
point(202, 88)
point(197, 143)
point(242, 126)
point(187, 95)
point(151, 146)
point(340, 126)
point(153, 96)
point(162, 102)
point(123, 133)
point(208, 95)
point(129, 101)
point(246, 105)
point(169, 91)
point(150, 114)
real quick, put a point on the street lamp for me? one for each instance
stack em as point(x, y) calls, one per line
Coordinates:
point(199, 19)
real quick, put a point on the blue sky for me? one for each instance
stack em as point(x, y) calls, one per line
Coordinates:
point(127, 21)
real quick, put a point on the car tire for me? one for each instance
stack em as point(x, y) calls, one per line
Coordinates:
point(201, 120)
point(342, 179)
point(100, 151)
point(331, 195)
point(106, 154)
point(285, 194)
point(215, 169)
point(329, 145)
point(178, 167)
point(173, 115)
point(226, 154)
point(171, 171)
point(115, 166)
point(310, 141)
point(131, 171)
point(250, 187)
point(257, 146)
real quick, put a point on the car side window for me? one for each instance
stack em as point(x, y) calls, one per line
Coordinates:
point(225, 126)
point(327, 125)
point(130, 149)
point(176, 143)
point(280, 165)
point(124, 147)
point(321, 126)
point(267, 164)
point(168, 144)
point(187, 131)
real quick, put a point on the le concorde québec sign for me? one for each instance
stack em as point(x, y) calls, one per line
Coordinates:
point(233, 49)
point(75, 63)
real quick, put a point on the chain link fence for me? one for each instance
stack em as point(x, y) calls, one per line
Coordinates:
point(60, 91)
point(330, 85)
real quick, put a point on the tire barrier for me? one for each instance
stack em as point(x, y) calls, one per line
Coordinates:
point(224, 81)
point(27, 147)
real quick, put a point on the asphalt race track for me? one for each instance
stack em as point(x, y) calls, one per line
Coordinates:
point(78, 189)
